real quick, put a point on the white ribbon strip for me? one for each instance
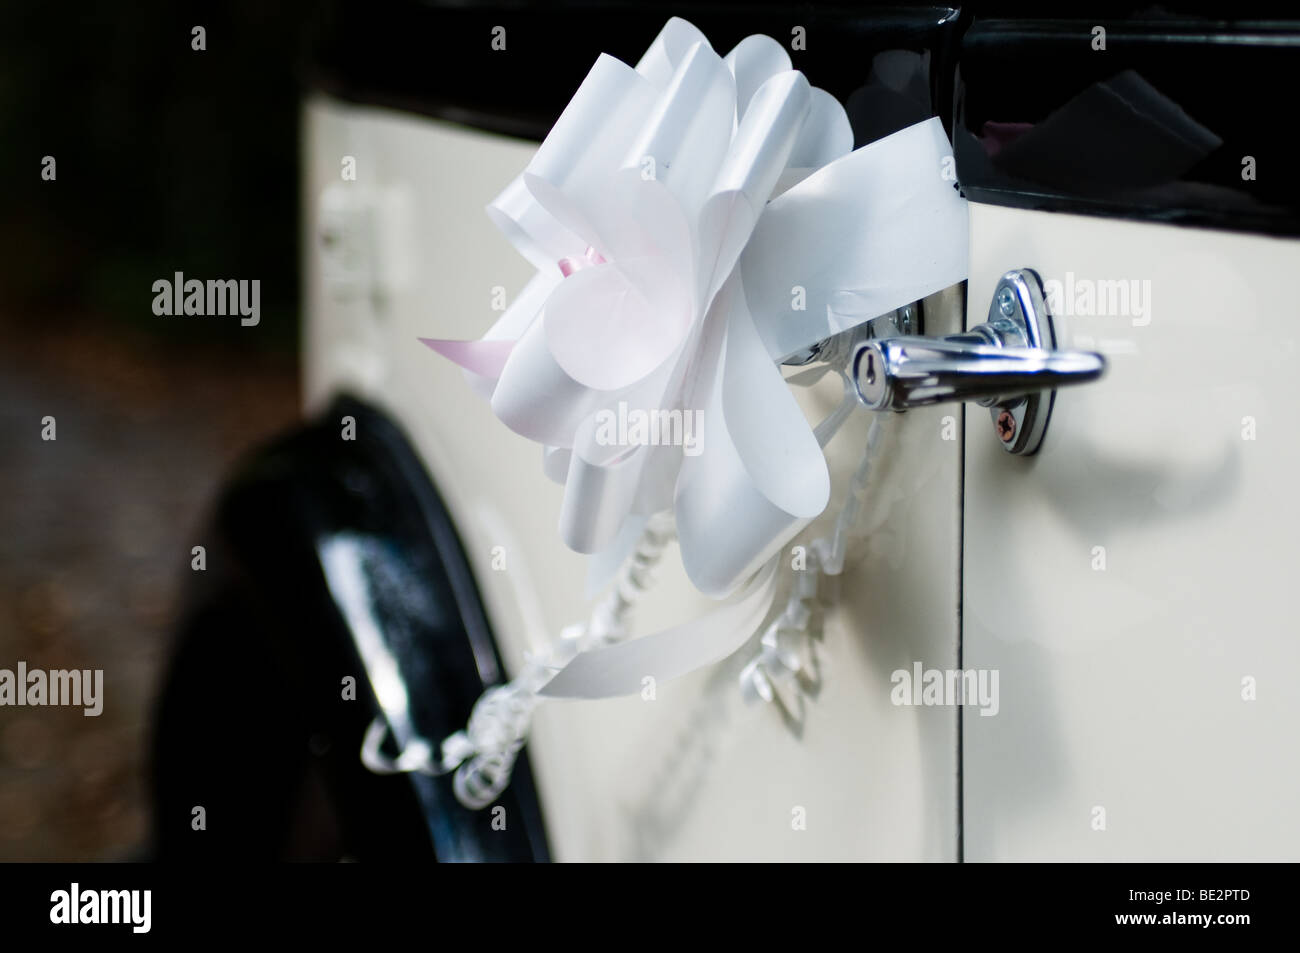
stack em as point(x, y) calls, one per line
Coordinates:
point(622, 668)
point(885, 223)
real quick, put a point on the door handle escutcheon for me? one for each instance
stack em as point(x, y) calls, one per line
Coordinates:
point(1009, 364)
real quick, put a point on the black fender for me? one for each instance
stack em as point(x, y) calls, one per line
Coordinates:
point(252, 724)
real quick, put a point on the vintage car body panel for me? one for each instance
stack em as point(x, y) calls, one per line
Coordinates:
point(1127, 583)
point(1132, 583)
point(1129, 577)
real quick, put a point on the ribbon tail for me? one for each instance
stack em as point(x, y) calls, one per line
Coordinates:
point(621, 669)
point(484, 358)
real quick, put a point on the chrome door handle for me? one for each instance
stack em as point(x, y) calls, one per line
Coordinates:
point(898, 373)
point(1008, 364)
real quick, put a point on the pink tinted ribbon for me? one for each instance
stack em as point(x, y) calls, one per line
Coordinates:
point(588, 258)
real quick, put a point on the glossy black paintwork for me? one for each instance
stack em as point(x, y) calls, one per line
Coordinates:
point(252, 724)
point(994, 72)
point(437, 59)
point(1157, 126)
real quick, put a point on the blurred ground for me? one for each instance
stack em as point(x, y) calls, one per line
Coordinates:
point(169, 158)
point(95, 535)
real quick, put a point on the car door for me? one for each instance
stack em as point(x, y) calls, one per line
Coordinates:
point(1132, 583)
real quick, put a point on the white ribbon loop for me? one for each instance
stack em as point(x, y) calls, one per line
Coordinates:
point(763, 476)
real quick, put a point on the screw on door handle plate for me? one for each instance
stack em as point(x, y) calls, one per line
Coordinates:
point(1009, 364)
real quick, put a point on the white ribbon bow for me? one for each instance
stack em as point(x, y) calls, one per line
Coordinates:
point(693, 222)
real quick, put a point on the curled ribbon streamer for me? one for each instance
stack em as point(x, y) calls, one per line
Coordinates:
point(676, 213)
